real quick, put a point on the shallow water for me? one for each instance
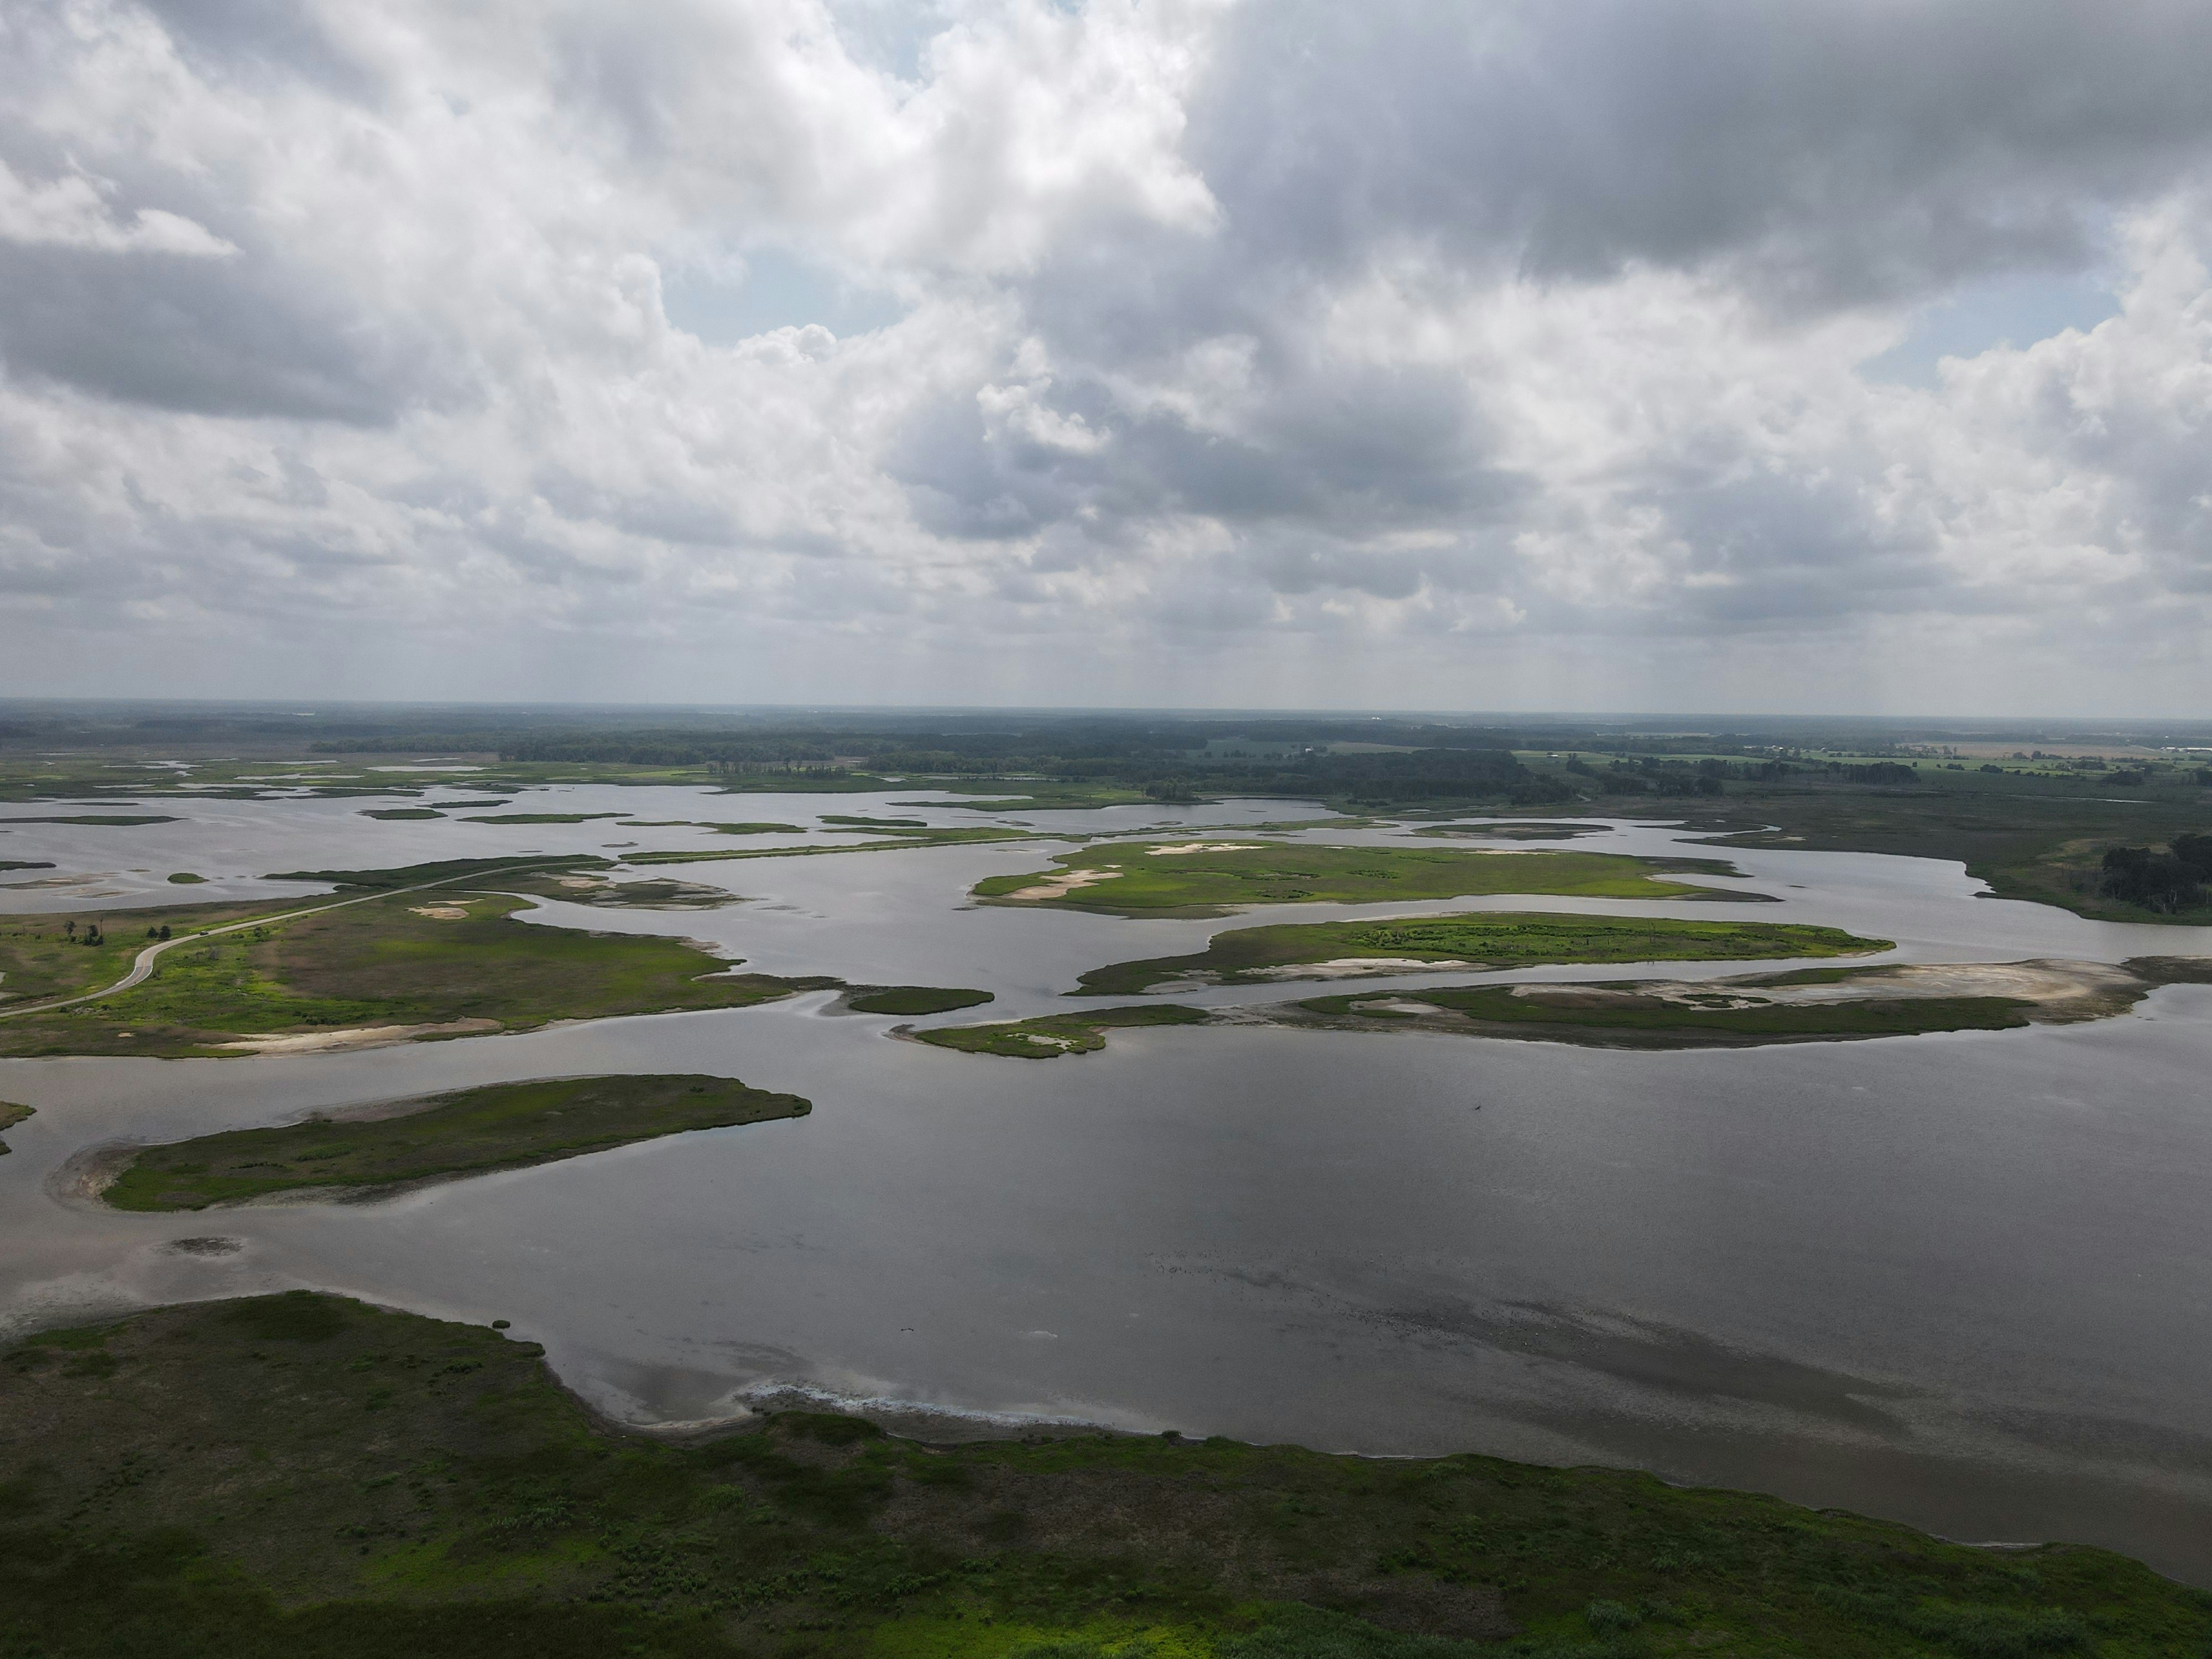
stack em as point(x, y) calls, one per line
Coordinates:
point(1959, 1280)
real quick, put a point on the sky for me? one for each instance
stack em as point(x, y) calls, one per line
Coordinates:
point(1590, 354)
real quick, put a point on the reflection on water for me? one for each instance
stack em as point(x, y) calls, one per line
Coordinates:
point(1961, 1280)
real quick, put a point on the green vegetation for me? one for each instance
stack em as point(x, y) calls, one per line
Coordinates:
point(401, 814)
point(906, 839)
point(718, 829)
point(1499, 939)
point(10, 1115)
point(303, 1475)
point(658, 893)
point(1054, 1034)
point(29, 864)
point(541, 817)
point(873, 824)
point(442, 958)
point(912, 999)
point(101, 820)
point(1211, 877)
point(443, 870)
point(503, 1127)
point(186, 878)
point(1618, 1017)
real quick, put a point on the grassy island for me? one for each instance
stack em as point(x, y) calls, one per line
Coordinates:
point(1055, 1035)
point(1814, 1005)
point(504, 1126)
point(304, 1475)
point(1211, 877)
point(441, 962)
point(1483, 939)
point(10, 1115)
point(912, 999)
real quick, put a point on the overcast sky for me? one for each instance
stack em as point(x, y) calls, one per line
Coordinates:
point(1574, 353)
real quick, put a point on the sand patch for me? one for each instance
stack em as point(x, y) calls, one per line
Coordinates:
point(1353, 967)
point(1061, 886)
point(1182, 848)
point(441, 912)
point(359, 1037)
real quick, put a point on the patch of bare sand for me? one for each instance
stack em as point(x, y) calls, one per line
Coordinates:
point(359, 1037)
point(1181, 849)
point(1354, 968)
point(1067, 881)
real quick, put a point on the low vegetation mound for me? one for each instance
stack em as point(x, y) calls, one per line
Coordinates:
point(441, 963)
point(469, 1132)
point(1055, 1035)
point(912, 999)
point(1493, 940)
point(10, 1115)
point(301, 1474)
point(1215, 875)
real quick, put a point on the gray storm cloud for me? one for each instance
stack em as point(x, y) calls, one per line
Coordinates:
point(1415, 355)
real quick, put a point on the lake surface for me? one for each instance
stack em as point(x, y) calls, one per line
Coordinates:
point(1964, 1281)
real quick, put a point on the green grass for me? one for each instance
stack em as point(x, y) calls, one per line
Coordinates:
point(503, 1126)
point(912, 999)
point(415, 875)
point(541, 817)
point(1484, 938)
point(10, 1115)
point(851, 822)
point(1143, 880)
point(378, 964)
point(32, 863)
point(718, 829)
point(906, 841)
point(1630, 1020)
point(304, 1477)
point(1054, 1034)
point(401, 814)
point(186, 878)
point(101, 820)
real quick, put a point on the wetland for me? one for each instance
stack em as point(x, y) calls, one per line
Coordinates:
point(1949, 1273)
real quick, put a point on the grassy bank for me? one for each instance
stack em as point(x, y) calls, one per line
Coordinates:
point(10, 1115)
point(1055, 1035)
point(434, 958)
point(1493, 940)
point(306, 1477)
point(1621, 1018)
point(1213, 877)
point(911, 1000)
point(471, 1130)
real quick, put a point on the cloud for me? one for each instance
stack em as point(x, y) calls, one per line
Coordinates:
point(1407, 354)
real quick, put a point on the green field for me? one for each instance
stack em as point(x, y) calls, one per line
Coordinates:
point(1630, 1021)
point(1154, 878)
point(1484, 938)
point(1054, 1034)
point(304, 1477)
point(504, 1126)
point(10, 1115)
point(402, 959)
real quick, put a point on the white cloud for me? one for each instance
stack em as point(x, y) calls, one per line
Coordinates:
point(1241, 352)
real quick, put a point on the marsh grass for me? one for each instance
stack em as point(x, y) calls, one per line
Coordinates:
point(306, 1477)
point(1484, 938)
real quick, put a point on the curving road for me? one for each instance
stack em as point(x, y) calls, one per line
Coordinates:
point(142, 966)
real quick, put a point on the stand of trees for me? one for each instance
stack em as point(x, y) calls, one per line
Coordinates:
point(2166, 881)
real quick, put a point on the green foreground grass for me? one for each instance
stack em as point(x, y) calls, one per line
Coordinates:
point(1484, 938)
point(1054, 1034)
point(306, 1477)
point(432, 958)
point(10, 1115)
point(503, 1126)
point(1168, 878)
